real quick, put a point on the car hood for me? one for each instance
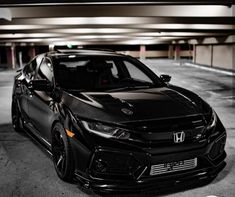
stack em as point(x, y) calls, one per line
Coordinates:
point(134, 105)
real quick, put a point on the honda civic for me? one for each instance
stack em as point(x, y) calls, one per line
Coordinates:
point(112, 124)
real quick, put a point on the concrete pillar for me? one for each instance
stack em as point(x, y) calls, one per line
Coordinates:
point(177, 52)
point(170, 51)
point(233, 38)
point(194, 53)
point(0, 59)
point(32, 52)
point(233, 6)
point(234, 59)
point(142, 52)
point(211, 46)
point(11, 58)
point(51, 47)
point(20, 59)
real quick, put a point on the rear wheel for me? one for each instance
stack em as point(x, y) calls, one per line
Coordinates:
point(62, 154)
point(16, 116)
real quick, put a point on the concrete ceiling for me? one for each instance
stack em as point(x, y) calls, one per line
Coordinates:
point(82, 23)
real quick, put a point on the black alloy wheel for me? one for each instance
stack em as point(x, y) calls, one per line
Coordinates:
point(62, 154)
point(15, 116)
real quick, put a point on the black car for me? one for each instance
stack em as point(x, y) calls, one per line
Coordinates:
point(114, 125)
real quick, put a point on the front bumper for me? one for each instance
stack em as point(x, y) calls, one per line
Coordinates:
point(156, 183)
point(129, 171)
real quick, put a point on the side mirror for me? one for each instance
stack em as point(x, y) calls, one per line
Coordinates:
point(40, 85)
point(165, 78)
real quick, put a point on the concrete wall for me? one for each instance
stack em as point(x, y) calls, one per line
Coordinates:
point(203, 54)
point(216, 55)
point(155, 54)
point(222, 56)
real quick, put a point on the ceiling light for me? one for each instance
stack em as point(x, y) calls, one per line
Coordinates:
point(19, 27)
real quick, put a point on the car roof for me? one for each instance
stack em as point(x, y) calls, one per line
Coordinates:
point(83, 52)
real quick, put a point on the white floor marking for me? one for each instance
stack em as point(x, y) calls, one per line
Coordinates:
point(211, 69)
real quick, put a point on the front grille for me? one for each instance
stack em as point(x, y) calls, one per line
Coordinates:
point(173, 167)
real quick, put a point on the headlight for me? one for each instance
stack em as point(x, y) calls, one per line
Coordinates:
point(105, 131)
point(213, 120)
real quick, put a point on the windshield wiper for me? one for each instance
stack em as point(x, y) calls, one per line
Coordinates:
point(129, 88)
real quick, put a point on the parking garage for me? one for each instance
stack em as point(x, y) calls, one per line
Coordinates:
point(192, 41)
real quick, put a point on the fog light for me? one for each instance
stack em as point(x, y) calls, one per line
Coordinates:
point(100, 166)
point(218, 148)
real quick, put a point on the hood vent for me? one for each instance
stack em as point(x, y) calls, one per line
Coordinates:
point(179, 97)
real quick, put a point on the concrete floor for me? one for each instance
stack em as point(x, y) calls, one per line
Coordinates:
point(26, 170)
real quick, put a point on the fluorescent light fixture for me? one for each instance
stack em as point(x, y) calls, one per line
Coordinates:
point(29, 35)
point(88, 20)
point(65, 43)
point(184, 26)
point(33, 40)
point(21, 27)
point(94, 30)
point(169, 34)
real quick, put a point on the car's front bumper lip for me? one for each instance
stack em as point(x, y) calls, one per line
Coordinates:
point(154, 183)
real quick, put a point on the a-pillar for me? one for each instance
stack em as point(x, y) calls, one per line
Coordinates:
point(170, 51)
point(11, 56)
point(142, 52)
point(177, 52)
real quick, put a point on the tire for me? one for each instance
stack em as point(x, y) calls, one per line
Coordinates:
point(16, 116)
point(62, 154)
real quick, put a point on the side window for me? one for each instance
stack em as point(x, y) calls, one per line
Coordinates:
point(45, 70)
point(136, 73)
point(30, 69)
point(113, 69)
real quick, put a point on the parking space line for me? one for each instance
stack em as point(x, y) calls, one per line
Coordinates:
point(210, 69)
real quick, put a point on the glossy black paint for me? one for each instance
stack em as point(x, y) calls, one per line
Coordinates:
point(156, 113)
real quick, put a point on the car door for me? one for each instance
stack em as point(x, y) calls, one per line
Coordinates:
point(28, 75)
point(40, 102)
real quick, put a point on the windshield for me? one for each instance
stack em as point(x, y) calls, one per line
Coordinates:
point(102, 73)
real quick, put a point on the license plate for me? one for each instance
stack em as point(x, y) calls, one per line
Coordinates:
point(173, 166)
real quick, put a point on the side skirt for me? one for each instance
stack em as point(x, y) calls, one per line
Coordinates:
point(34, 134)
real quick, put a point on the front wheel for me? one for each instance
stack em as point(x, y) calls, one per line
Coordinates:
point(62, 154)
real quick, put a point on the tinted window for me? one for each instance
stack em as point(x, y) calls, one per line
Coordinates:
point(39, 59)
point(114, 68)
point(30, 68)
point(45, 70)
point(136, 73)
point(94, 73)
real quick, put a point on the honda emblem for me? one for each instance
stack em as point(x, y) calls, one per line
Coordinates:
point(179, 137)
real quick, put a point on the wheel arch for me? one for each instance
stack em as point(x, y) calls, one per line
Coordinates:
point(61, 120)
